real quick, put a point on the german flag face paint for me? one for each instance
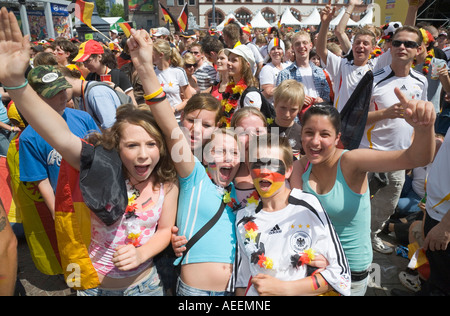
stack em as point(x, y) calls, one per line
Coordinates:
point(268, 177)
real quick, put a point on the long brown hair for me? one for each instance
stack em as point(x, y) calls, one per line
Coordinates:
point(247, 73)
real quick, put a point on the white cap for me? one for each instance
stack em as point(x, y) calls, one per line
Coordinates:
point(160, 31)
point(244, 52)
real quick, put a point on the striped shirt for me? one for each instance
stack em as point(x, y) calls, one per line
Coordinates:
point(205, 75)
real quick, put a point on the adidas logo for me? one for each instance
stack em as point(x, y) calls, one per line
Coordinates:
point(403, 88)
point(275, 230)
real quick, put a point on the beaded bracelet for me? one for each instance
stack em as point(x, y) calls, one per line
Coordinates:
point(149, 97)
point(18, 87)
point(156, 100)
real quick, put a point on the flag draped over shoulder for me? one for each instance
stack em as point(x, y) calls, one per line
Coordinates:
point(354, 113)
point(83, 11)
point(169, 18)
point(183, 18)
point(73, 229)
point(37, 220)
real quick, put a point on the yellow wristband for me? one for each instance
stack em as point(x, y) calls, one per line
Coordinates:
point(148, 97)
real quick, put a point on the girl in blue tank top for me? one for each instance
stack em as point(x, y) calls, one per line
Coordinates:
point(339, 177)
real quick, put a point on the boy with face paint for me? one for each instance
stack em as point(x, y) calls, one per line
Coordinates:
point(286, 233)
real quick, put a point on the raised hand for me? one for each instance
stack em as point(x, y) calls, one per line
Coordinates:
point(140, 46)
point(327, 13)
point(355, 2)
point(417, 113)
point(14, 50)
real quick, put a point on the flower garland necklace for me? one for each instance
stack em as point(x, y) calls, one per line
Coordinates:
point(427, 62)
point(252, 238)
point(376, 52)
point(132, 228)
point(230, 99)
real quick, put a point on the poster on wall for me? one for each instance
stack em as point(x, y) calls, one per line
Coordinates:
point(38, 27)
point(141, 5)
point(61, 22)
point(392, 10)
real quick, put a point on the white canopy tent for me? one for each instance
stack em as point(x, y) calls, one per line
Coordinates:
point(229, 16)
point(338, 18)
point(368, 18)
point(287, 18)
point(258, 21)
point(312, 19)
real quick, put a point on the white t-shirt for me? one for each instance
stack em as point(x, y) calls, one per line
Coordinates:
point(392, 134)
point(438, 182)
point(283, 234)
point(269, 74)
point(308, 81)
point(346, 76)
point(171, 80)
point(419, 179)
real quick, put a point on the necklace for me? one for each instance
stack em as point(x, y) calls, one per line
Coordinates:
point(230, 99)
point(132, 229)
point(427, 62)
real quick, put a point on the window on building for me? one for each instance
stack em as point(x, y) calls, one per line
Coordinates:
point(269, 16)
point(219, 18)
point(243, 16)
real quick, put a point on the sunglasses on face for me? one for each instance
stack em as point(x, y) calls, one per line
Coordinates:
point(407, 44)
point(190, 65)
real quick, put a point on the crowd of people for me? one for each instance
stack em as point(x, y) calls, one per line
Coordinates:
point(218, 163)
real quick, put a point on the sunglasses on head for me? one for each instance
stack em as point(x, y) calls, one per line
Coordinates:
point(407, 44)
point(190, 65)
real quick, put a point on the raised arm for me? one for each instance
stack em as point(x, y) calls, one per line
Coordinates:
point(326, 15)
point(421, 116)
point(141, 52)
point(342, 25)
point(14, 54)
point(411, 13)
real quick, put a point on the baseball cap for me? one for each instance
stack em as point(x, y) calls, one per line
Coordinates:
point(160, 31)
point(47, 81)
point(189, 33)
point(87, 49)
point(244, 52)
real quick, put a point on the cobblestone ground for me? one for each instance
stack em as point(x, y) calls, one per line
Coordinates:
point(385, 275)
